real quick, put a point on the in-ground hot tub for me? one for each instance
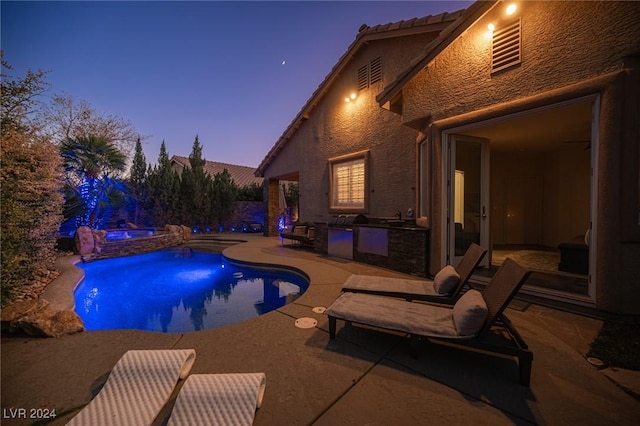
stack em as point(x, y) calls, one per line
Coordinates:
point(125, 234)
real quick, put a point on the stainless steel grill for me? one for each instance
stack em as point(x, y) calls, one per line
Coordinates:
point(345, 221)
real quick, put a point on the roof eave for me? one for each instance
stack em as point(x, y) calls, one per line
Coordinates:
point(364, 36)
point(180, 160)
point(446, 37)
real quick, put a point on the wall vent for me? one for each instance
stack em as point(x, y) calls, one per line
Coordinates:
point(505, 51)
point(376, 70)
point(370, 73)
point(363, 77)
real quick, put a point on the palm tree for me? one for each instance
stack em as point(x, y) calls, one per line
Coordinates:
point(92, 167)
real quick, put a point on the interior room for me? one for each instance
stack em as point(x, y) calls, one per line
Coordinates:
point(540, 191)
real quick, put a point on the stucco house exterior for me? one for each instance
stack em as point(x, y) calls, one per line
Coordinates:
point(511, 128)
point(327, 127)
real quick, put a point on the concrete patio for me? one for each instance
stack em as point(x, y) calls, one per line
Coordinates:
point(363, 377)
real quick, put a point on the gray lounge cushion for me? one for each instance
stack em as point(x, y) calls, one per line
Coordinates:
point(470, 313)
point(357, 282)
point(395, 314)
point(446, 280)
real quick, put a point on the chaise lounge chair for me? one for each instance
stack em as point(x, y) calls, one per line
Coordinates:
point(444, 288)
point(142, 382)
point(219, 399)
point(139, 385)
point(469, 324)
point(300, 233)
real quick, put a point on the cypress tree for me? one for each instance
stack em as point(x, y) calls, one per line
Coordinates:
point(137, 181)
point(163, 185)
point(224, 194)
point(195, 197)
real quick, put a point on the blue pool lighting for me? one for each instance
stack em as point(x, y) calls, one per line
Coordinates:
point(179, 290)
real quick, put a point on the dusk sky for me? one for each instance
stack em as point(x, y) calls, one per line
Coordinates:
point(234, 73)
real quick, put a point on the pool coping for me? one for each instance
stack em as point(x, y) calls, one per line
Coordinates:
point(60, 292)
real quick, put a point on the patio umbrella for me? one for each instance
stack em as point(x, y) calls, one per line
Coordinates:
point(282, 205)
point(282, 202)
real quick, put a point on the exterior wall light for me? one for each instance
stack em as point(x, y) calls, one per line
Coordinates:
point(511, 9)
point(350, 98)
point(491, 27)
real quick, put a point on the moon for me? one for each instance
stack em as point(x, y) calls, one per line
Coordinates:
point(284, 62)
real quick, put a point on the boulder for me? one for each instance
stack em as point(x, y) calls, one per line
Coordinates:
point(84, 241)
point(37, 318)
point(99, 235)
point(99, 238)
point(10, 314)
point(186, 232)
point(173, 229)
point(54, 323)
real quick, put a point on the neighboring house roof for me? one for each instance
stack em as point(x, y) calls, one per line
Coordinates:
point(241, 175)
point(365, 35)
point(433, 49)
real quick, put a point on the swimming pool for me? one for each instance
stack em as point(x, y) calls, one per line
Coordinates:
point(179, 290)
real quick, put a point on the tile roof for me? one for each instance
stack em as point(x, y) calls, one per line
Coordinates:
point(445, 17)
point(241, 175)
point(365, 35)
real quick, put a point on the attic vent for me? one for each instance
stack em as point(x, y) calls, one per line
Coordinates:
point(370, 73)
point(363, 77)
point(506, 47)
point(376, 70)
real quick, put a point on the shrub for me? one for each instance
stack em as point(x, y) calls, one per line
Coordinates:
point(31, 205)
point(252, 192)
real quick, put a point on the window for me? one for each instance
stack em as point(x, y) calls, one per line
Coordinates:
point(348, 182)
